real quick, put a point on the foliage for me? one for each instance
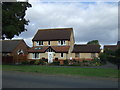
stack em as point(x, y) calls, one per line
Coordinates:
point(37, 62)
point(41, 62)
point(94, 42)
point(13, 21)
point(32, 62)
point(26, 62)
point(65, 62)
point(55, 63)
point(103, 58)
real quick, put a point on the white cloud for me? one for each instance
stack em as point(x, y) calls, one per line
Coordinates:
point(89, 21)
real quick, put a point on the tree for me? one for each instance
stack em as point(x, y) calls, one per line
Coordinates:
point(13, 21)
point(112, 56)
point(94, 42)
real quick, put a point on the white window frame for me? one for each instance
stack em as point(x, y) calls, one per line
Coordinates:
point(61, 55)
point(41, 42)
point(62, 41)
point(33, 55)
point(38, 43)
point(49, 43)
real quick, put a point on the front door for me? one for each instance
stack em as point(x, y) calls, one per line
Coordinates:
point(50, 57)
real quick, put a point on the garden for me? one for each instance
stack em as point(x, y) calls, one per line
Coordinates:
point(82, 62)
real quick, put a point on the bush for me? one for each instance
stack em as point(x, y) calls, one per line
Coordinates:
point(41, 62)
point(36, 62)
point(32, 62)
point(55, 63)
point(96, 61)
point(103, 57)
point(45, 60)
point(65, 62)
point(25, 62)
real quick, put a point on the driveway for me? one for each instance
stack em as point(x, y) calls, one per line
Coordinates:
point(13, 79)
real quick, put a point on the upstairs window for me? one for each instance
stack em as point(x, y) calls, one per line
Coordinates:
point(39, 43)
point(61, 42)
point(48, 42)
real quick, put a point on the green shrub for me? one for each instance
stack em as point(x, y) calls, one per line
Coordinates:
point(65, 62)
point(32, 62)
point(45, 60)
point(55, 63)
point(25, 62)
point(36, 62)
point(41, 62)
point(96, 61)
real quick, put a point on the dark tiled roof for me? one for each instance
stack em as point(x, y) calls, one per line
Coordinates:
point(10, 45)
point(110, 47)
point(61, 48)
point(42, 49)
point(53, 34)
point(86, 49)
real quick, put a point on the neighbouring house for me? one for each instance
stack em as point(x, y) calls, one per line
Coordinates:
point(58, 44)
point(13, 50)
point(85, 52)
point(112, 47)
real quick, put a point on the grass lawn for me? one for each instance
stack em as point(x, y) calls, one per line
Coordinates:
point(97, 72)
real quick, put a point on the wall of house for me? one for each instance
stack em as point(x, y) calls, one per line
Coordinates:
point(58, 55)
point(84, 55)
point(45, 55)
point(21, 46)
point(52, 43)
point(71, 44)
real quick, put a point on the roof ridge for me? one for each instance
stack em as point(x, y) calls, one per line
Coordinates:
point(54, 29)
point(13, 40)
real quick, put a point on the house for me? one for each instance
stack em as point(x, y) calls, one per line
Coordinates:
point(58, 44)
point(87, 52)
point(52, 44)
point(112, 47)
point(13, 49)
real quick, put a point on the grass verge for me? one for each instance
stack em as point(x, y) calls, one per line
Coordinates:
point(95, 72)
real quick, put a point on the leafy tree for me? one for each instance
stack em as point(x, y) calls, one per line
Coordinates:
point(111, 56)
point(13, 21)
point(94, 42)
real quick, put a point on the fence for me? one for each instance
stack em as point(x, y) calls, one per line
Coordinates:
point(13, 59)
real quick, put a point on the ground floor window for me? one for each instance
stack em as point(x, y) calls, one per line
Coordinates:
point(93, 55)
point(76, 54)
point(62, 54)
point(36, 56)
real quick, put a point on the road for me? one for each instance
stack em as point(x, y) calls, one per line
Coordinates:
point(11, 79)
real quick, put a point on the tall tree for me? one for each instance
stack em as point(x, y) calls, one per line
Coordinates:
point(94, 42)
point(13, 21)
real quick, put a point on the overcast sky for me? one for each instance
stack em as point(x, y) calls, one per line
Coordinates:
point(89, 20)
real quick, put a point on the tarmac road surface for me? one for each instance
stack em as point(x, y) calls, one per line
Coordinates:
point(12, 79)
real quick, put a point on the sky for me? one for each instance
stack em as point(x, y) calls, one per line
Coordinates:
point(89, 20)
